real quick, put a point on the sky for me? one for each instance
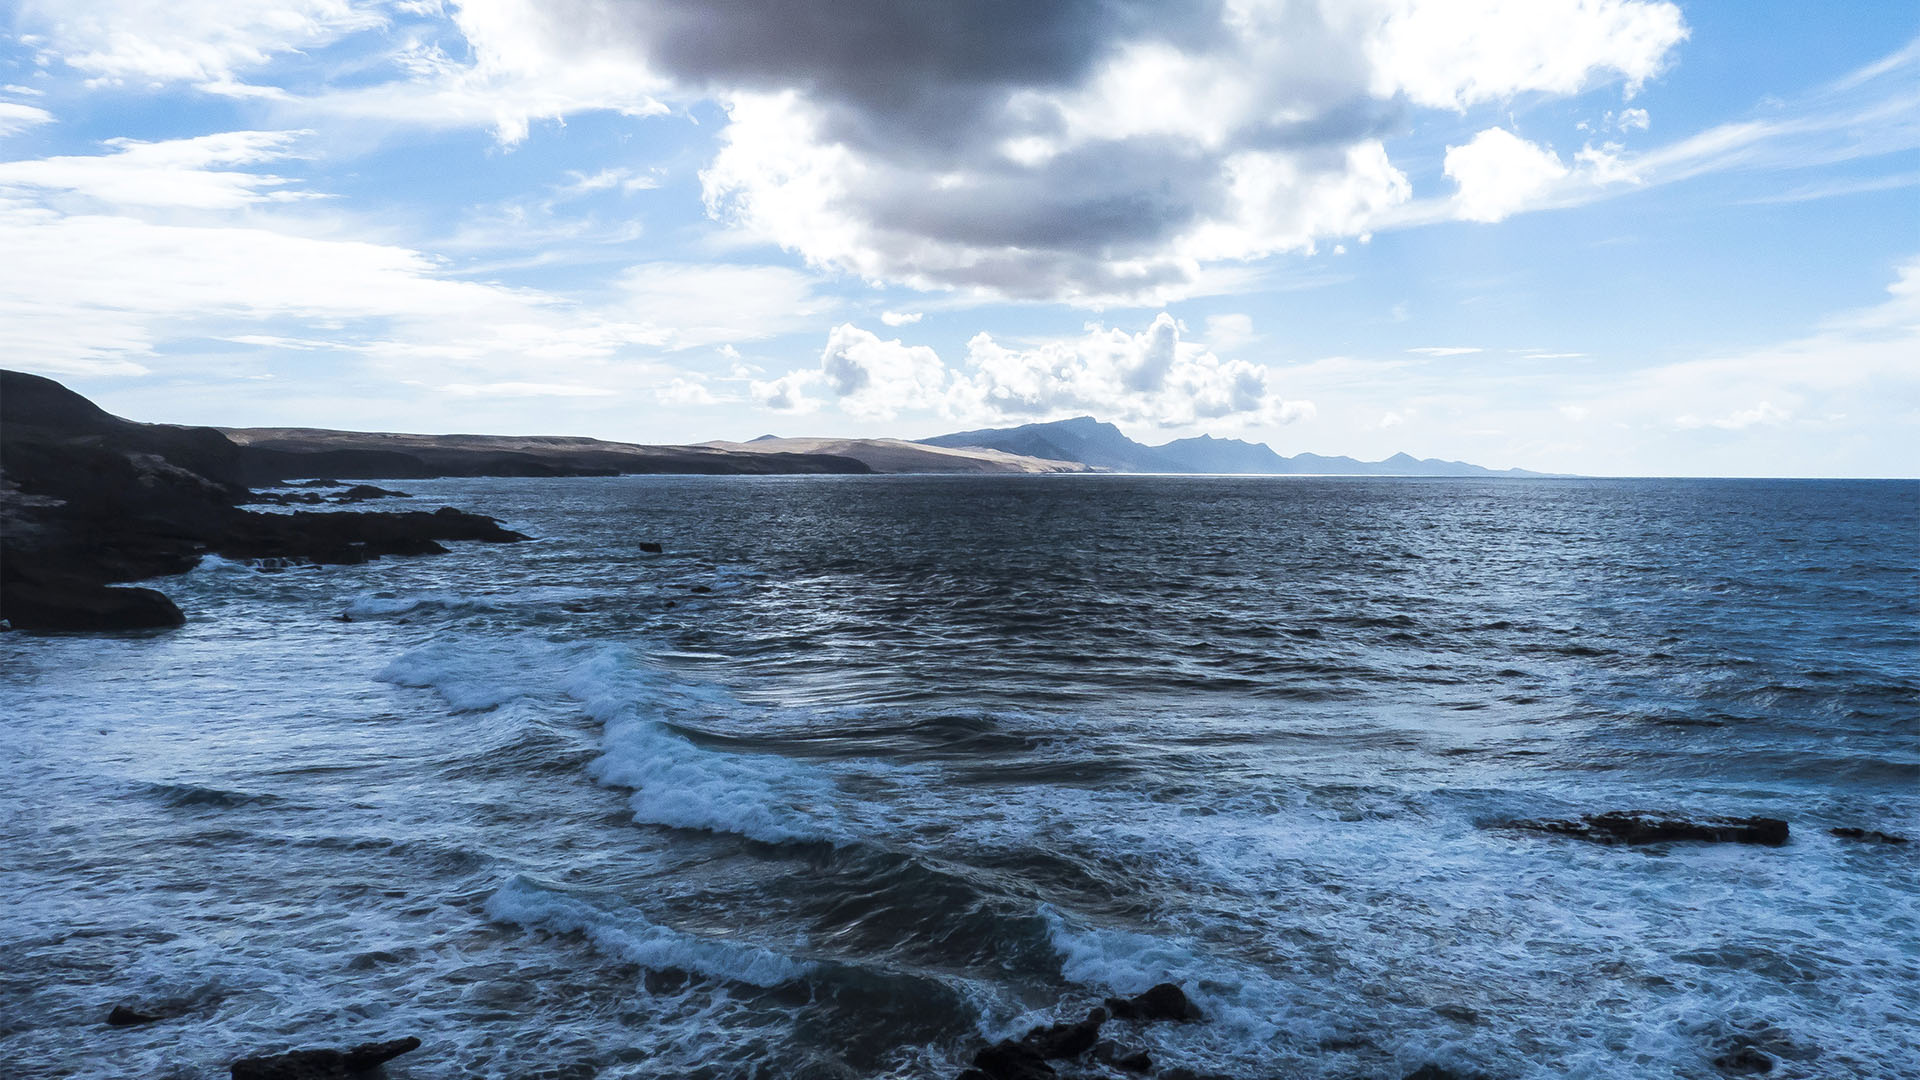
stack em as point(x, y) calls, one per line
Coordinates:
point(1611, 237)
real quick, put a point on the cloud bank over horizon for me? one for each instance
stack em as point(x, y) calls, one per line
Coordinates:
point(1235, 215)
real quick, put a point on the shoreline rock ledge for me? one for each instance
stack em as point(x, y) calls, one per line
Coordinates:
point(1028, 1057)
point(323, 1064)
point(88, 499)
point(1635, 827)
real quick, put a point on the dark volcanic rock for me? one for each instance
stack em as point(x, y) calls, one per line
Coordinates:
point(1871, 835)
point(1646, 827)
point(1163, 1002)
point(284, 498)
point(1743, 1061)
point(363, 492)
point(1060, 1041)
point(1440, 1072)
point(55, 601)
point(121, 1016)
point(1026, 1058)
point(1011, 1060)
point(348, 538)
point(87, 498)
point(322, 1064)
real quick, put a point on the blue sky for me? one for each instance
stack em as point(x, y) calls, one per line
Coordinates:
point(1597, 236)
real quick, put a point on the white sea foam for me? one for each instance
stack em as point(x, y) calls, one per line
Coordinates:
point(679, 784)
point(374, 605)
point(1340, 927)
point(217, 564)
point(633, 938)
point(674, 782)
point(466, 676)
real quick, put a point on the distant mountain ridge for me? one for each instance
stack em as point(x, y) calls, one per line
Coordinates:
point(1102, 446)
point(1083, 439)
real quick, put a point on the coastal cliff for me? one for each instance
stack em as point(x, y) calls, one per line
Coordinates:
point(88, 499)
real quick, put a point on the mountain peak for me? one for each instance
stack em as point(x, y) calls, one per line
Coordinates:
point(1077, 423)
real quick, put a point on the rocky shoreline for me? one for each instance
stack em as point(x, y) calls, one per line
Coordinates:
point(88, 500)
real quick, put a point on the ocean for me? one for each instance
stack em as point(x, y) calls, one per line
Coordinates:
point(860, 773)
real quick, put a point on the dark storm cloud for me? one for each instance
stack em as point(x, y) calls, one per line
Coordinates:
point(937, 103)
point(1353, 120)
point(1110, 198)
point(882, 55)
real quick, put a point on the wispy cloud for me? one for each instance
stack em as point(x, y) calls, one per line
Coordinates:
point(526, 389)
point(173, 173)
point(1839, 188)
point(15, 117)
point(1873, 112)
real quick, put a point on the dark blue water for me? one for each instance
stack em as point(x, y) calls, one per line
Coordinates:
point(864, 771)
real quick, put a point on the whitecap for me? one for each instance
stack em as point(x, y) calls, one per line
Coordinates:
point(633, 938)
point(675, 783)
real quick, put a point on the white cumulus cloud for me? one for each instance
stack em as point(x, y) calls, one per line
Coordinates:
point(1149, 377)
point(1500, 173)
point(1455, 53)
point(1132, 151)
point(876, 378)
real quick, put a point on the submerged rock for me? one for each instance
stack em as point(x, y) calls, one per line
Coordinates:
point(1009, 1060)
point(1134, 1061)
point(122, 1016)
point(1026, 1058)
point(1648, 827)
point(1163, 1002)
point(1874, 836)
point(1431, 1071)
point(1744, 1061)
point(1067, 1040)
point(323, 1064)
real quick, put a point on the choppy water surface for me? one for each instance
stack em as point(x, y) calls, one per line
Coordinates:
point(927, 760)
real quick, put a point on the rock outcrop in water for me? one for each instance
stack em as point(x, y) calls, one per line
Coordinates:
point(1163, 1002)
point(1648, 827)
point(88, 499)
point(1029, 1056)
point(122, 1016)
point(1872, 836)
point(323, 1064)
point(363, 492)
point(1743, 1061)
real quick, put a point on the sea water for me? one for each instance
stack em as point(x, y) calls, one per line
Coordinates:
point(862, 772)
